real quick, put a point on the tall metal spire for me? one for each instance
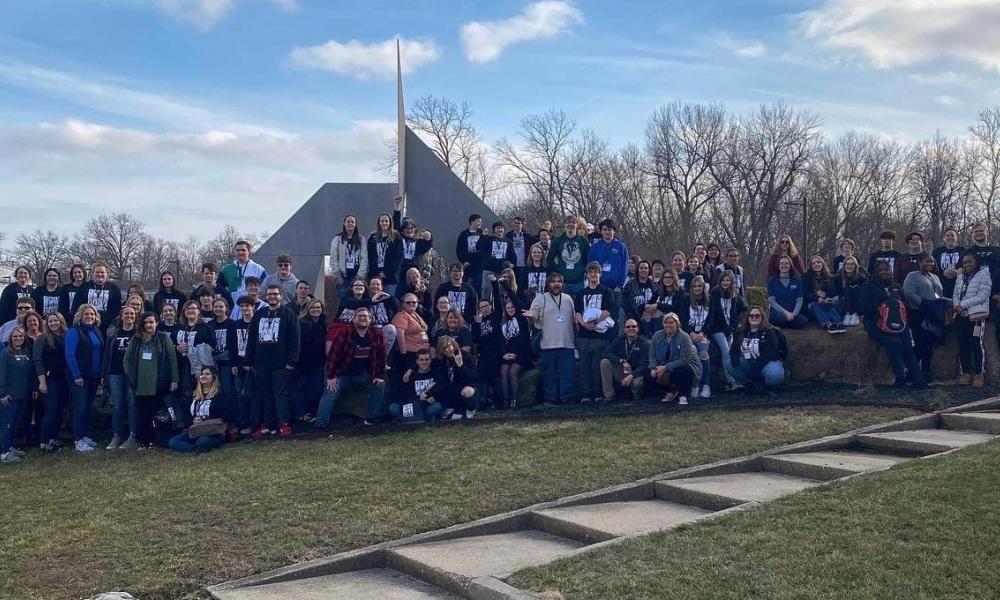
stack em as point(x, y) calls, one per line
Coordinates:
point(401, 128)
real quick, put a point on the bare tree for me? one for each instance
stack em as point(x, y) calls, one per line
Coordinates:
point(115, 238)
point(683, 141)
point(41, 250)
point(762, 158)
point(938, 181)
point(219, 249)
point(983, 160)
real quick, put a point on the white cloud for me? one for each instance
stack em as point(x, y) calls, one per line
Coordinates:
point(365, 61)
point(949, 101)
point(893, 33)
point(486, 40)
point(178, 182)
point(122, 98)
point(751, 50)
point(287, 5)
point(202, 14)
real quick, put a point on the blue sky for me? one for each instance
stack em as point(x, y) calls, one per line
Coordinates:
point(199, 113)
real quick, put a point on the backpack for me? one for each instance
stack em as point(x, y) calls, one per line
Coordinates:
point(782, 344)
point(891, 316)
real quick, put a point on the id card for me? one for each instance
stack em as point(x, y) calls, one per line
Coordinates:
point(408, 410)
point(606, 267)
point(147, 356)
point(560, 318)
point(978, 331)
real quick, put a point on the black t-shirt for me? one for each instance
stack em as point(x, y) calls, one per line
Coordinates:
point(361, 356)
point(118, 345)
point(599, 298)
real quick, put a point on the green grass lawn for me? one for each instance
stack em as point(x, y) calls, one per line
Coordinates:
point(161, 525)
point(927, 529)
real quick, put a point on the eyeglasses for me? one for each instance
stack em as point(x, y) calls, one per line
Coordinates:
point(756, 316)
point(410, 302)
point(23, 308)
point(284, 264)
point(785, 242)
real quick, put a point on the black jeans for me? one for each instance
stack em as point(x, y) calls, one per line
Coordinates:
point(971, 352)
point(681, 381)
point(272, 389)
point(923, 342)
point(899, 347)
point(145, 408)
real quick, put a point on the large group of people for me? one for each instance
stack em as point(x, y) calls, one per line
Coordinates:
point(253, 354)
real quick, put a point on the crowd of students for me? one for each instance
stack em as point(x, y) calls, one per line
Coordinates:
point(252, 354)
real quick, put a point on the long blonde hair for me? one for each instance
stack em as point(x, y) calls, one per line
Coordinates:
point(213, 388)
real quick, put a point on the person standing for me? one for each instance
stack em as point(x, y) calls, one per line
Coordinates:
point(522, 241)
point(355, 355)
point(83, 359)
point(568, 255)
point(886, 253)
point(949, 260)
point(497, 253)
point(19, 288)
point(237, 341)
point(886, 323)
point(49, 355)
point(47, 295)
point(612, 254)
point(283, 278)
point(77, 276)
point(972, 307)
point(385, 252)
point(114, 380)
point(210, 281)
point(732, 264)
point(922, 289)
point(273, 352)
point(594, 305)
point(531, 279)
point(235, 274)
point(460, 295)
point(553, 313)
point(168, 293)
point(150, 363)
point(100, 293)
point(15, 391)
point(847, 246)
point(910, 262)
point(309, 379)
point(467, 251)
point(348, 256)
point(986, 253)
point(785, 247)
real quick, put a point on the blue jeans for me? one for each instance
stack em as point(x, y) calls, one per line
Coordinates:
point(329, 399)
point(722, 341)
point(773, 373)
point(778, 318)
point(54, 401)
point(309, 388)
point(558, 374)
point(902, 358)
point(122, 399)
point(824, 313)
point(8, 414)
point(83, 399)
point(182, 443)
point(389, 288)
point(706, 368)
point(421, 410)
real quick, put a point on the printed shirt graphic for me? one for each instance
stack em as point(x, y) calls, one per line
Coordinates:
point(472, 241)
point(696, 317)
point(242, 335)
point(220, 340)
point(186, 337)
point(643, 298)
point(536, 281)
point(750, 348)
point(121, 342)
point(950, 260)
point(99, 298)
point(421, 385)
point(380, 248)
point(499, 249)
point(457, 299)
point(511, 329)
point(267, 330)
point(486, 327)
point(727, 307)
point(592, 301)
point(362, 351)
point(519, 249)
point(571, 254)
point(50, 304)
point(409, 249)
point(381, 316)
point(347, 315)
point(175, 302)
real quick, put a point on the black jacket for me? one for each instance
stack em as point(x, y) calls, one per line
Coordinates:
point(636, 353)
point(761, 346)
point(720, 322)
point(391, 253)
point(273, 340)
point(312, 344)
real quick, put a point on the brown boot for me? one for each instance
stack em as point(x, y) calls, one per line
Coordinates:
point(965, 379)
point(978, 381)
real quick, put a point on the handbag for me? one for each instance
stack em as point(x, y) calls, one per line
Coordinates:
point(206, 427)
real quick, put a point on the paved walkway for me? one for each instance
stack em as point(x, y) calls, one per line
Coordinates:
point(473, 560)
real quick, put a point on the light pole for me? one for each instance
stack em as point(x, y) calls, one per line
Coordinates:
point(805, 222)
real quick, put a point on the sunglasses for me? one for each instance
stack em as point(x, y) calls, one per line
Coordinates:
point(756, 316)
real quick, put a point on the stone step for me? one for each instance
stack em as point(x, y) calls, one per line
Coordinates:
point(922, 441)
point(719, 492)
point(383, 584)
point(608, 520)
point(827, 466)
point(983, 422)
point(495, 555)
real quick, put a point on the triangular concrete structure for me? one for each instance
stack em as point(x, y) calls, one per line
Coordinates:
point(436, 199)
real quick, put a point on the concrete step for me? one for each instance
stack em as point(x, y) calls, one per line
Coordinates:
point(496, 555)
point(827, 466)
point(922, 441)
point(983, 422)
point(718, 492)
point(383, 584)
point(608, 520)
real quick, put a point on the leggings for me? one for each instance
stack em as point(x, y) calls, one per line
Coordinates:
point(509, 381)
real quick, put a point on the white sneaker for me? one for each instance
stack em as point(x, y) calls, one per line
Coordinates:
point(115, 442)
point(706, 392)
point(89, 442)
point(683, 401)
point(130, 444)
point(447, 413)
point(83, 448)
point(9, 458)
point(18, 453)
point(695, 392)
point(469, 414)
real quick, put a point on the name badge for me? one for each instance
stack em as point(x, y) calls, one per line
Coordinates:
point(423, 335)
point(560, 318)
point(606, 267)
point(147, 356)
